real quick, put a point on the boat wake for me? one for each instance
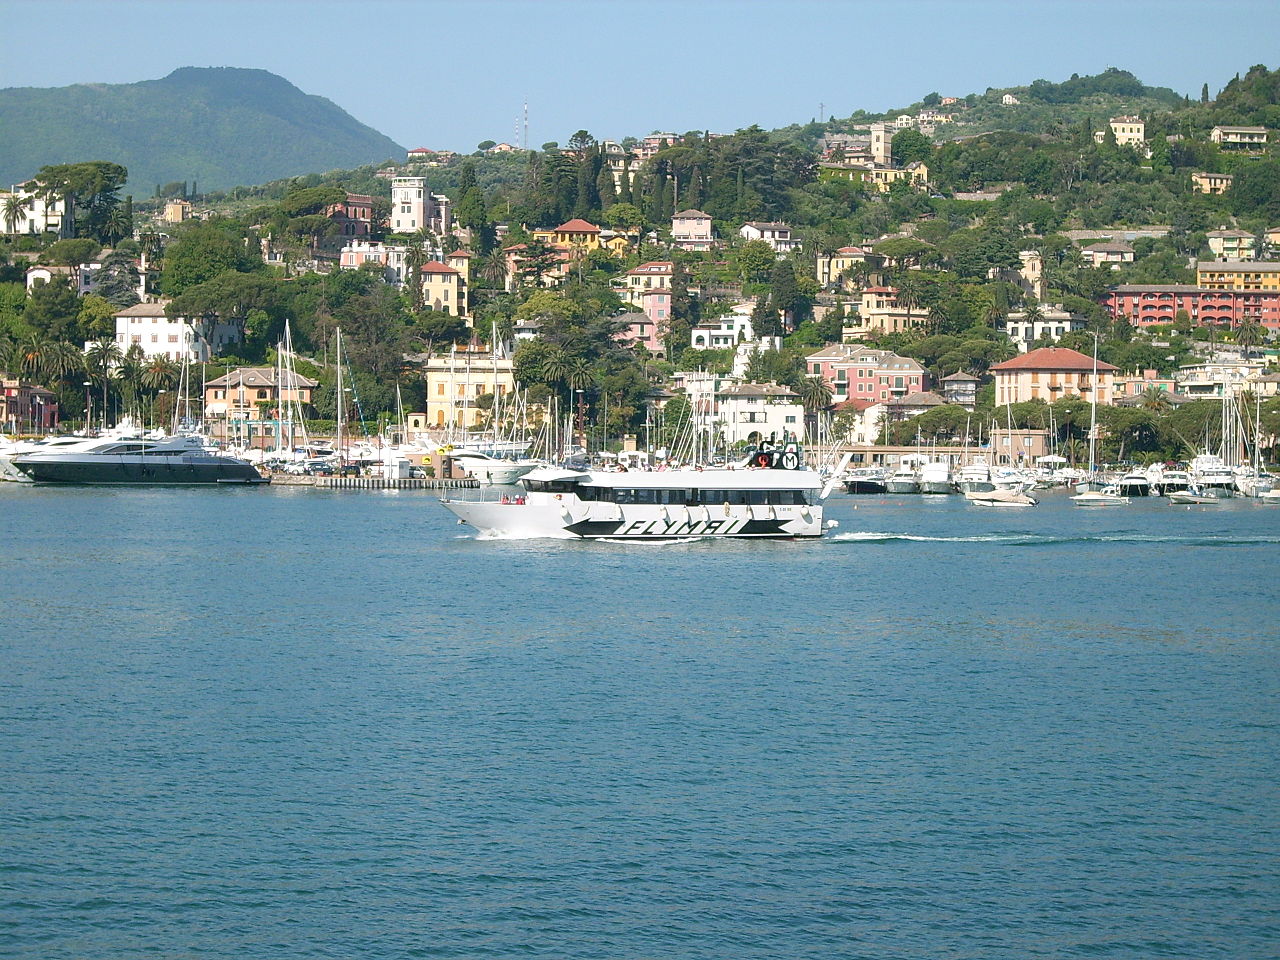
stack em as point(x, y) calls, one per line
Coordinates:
point(1036, 540)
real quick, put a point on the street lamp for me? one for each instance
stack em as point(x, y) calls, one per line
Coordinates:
point(88, 408)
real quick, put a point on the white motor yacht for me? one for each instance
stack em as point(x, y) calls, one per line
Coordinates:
point(181, 459)
point(1212, 477)
point(1134, 483)
point(903, 479)
point(493, 471)
point(935, 477)
point(864, 480)
point(975, 477)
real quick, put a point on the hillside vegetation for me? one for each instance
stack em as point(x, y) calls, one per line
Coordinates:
point(218, 126)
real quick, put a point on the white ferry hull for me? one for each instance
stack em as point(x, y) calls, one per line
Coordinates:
point(604, 521)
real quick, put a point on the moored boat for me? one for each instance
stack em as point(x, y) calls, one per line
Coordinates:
point(181, 459)
point(864, 480)
point(935, 477)
point(1000, 498)
point(1108, 497)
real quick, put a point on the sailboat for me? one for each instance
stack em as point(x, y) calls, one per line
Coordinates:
point(1088, 494)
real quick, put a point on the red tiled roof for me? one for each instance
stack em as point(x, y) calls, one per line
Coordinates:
point(461, 253)
point(432, 266)
point(653, 266)
point(855, 403)
point(1054, 358)
point(577, 225)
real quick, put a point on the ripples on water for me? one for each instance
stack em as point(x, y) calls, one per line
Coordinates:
point(284, 723)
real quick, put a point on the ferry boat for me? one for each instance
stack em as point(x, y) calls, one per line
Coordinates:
point(180, 459)
point(770, 496)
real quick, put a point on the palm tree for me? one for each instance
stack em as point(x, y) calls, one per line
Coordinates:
point(1249, 334)
point(995, 311)
point(937, 317)
point(579, 374)
point(815, 393)
point(117, 225)
point(15, 206)
point(493, 269)
point(64, 359)
point(129, 373)
point(103, 354)
point(160, 373)
point(908, 297)
point(1156, 400)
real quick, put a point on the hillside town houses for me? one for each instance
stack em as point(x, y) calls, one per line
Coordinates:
point(414, 243)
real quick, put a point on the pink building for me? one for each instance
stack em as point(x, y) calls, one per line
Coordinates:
point(656, 305)
point(1146, 305)
point(641, 331)
point(854, 372)
point(691, 230)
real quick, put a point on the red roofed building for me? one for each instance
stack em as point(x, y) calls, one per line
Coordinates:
point(576, 232)
point(1052, 373)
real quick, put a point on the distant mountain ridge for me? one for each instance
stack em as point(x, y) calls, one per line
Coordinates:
point(220, 126)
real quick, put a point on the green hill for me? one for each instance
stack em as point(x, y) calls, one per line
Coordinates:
point(220, 126)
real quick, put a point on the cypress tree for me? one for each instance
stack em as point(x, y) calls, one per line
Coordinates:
point(783, 289)
point(604, 187)
point(1204, 93)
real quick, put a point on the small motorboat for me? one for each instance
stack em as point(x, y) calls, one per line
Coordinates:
point(1000, 498)
point(1106, 497)
point(1191, 495)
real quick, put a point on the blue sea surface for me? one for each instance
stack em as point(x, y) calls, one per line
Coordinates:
point(283, 723)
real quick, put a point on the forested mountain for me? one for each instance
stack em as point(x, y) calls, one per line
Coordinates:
point(218, 126)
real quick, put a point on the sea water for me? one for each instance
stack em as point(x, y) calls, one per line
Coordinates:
point(277, 723)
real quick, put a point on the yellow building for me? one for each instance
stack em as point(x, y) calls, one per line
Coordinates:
point(1238, 275)
point(576, 233)
point(1211, 183)
point(456, 381)
point(1050, 374)
point(444, 288)
point(1128, 131)
point(875, 175)
point(176, 211)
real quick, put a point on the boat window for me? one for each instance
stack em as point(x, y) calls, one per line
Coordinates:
point(551, 486)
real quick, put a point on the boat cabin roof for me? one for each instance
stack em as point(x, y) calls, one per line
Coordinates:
point(695, 479)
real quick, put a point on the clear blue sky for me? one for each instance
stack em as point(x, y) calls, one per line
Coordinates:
point(450, 73)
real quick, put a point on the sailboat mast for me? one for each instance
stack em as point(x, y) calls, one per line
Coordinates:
point(340, 403)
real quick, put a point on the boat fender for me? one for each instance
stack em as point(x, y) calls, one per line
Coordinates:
point(790, 461)
point(726, 508)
